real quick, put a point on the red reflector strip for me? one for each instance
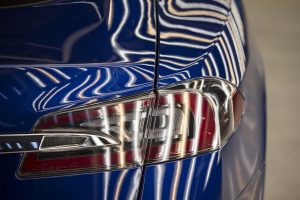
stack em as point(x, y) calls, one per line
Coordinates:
point(34, 164)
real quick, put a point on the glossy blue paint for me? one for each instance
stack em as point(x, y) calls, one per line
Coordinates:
point(192, 178)
point(28, 93)
point(62, 54)
point(78, 32)
point(228, 172)
point(201, 39)
point(121, 184)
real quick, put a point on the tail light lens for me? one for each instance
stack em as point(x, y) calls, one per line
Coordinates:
point(180, 121)
point(115, 138)
point(187, 128)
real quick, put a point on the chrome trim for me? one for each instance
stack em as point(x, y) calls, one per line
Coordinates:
point(53, 141)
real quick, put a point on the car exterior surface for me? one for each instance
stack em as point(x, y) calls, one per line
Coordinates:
point(94, 97)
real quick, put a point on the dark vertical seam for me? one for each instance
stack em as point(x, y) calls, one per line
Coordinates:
point(157, 46)
point(155, 86)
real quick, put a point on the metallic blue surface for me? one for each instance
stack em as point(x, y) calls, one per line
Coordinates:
point(27, 93)
point(226, 173)
point(105, 185)
point(192, 178)
point(63, 54)
point(74, 31)
point(200, 39)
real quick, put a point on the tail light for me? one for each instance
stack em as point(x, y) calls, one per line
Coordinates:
point(179, 121)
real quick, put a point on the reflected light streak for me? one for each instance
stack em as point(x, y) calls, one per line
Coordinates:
point(176, 57)
point(176, 179)
point(168, 35)
point(97, 79)
point(208, 67)
point(107, 157)
point(237, 43)
point(35, 100)
point(45, 98)
point(119, 184)
point(182, 75)
point(145, 70)
point(110, 14)
point(136, 122)
point(66, 98)
point(204, 12)
point(203, 72)
point(171, 68)
point(230, 67)
point(205, 6)
point(208, 173)
point(227, 45)
point(17, 91)
point(173, 62)
point(135, 184)
point(107, 80)
point(106, 185)
point(132, 78)
point(224, 61)
point(238, 21)
point(150, 29)
point(3, 96)
point(142, 73)
point(35, 79)
point(167, 146)
point(185, 122)
point(61, 73)
point(121, 113)
point(50, 76)
point(184, 44)
point(159, 178)
point(198, 120)
point(190, 176)
point(74, 37)
point(212, 59)
point(54, 94)
point(114, 38)
point(191, 18)
point(216, 141)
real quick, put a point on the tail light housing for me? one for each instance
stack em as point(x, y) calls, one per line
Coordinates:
point(176, 122)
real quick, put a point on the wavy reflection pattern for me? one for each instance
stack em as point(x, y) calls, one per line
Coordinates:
point(99, 50)
point(62, 86)
point(34, 91)
point(207, 34)
point(191, 178)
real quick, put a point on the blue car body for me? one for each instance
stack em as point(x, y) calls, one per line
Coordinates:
point(60, 54)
